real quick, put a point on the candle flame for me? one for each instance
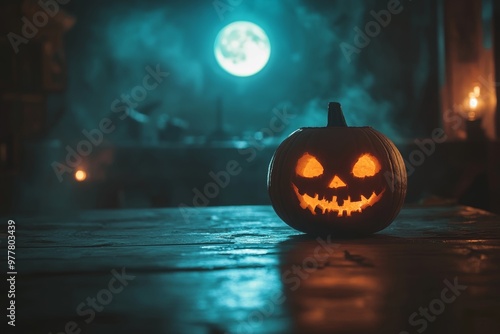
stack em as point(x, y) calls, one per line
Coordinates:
point(473, 102)
point(477, 91)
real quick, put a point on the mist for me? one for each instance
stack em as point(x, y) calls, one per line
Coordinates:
point(111, 45)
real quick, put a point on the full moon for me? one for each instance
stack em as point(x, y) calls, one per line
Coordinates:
point(242, 48)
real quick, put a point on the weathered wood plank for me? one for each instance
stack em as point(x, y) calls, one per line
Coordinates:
point(229, 225)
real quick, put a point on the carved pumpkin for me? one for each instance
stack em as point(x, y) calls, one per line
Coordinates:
point(337, 179)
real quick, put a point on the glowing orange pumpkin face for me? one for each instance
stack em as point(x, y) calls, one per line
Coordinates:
point(337, 179)
point(309, 167)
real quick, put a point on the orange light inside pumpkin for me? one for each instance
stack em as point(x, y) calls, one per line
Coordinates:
point(308, 166)
point(337, 182)
point(366, 166)
point(331, 205)
point(319, 178)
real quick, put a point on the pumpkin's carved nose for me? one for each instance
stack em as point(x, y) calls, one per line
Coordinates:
point(337, 182)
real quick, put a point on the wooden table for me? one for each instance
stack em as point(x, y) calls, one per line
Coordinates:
point(241, 270)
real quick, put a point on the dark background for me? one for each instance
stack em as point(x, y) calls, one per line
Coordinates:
point(165, 150)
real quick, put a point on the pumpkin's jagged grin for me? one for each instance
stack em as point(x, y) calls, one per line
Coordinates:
point(327, 206)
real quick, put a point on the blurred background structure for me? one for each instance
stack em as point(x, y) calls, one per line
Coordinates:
point(128, 104)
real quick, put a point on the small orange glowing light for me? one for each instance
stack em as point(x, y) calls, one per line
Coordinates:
point(473, 102)
point(80, 175)
point(477, 91)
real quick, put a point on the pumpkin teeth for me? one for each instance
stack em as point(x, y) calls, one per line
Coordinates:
point(343, 207)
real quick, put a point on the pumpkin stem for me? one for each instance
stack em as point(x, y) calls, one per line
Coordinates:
point(335, 115)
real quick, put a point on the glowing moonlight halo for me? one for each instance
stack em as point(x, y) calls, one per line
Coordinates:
point(242, 48)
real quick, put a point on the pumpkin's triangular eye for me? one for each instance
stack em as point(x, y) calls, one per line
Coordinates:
point(308, 166)
point(366, 166)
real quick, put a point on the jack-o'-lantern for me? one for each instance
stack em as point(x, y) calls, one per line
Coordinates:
point(337, 179)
